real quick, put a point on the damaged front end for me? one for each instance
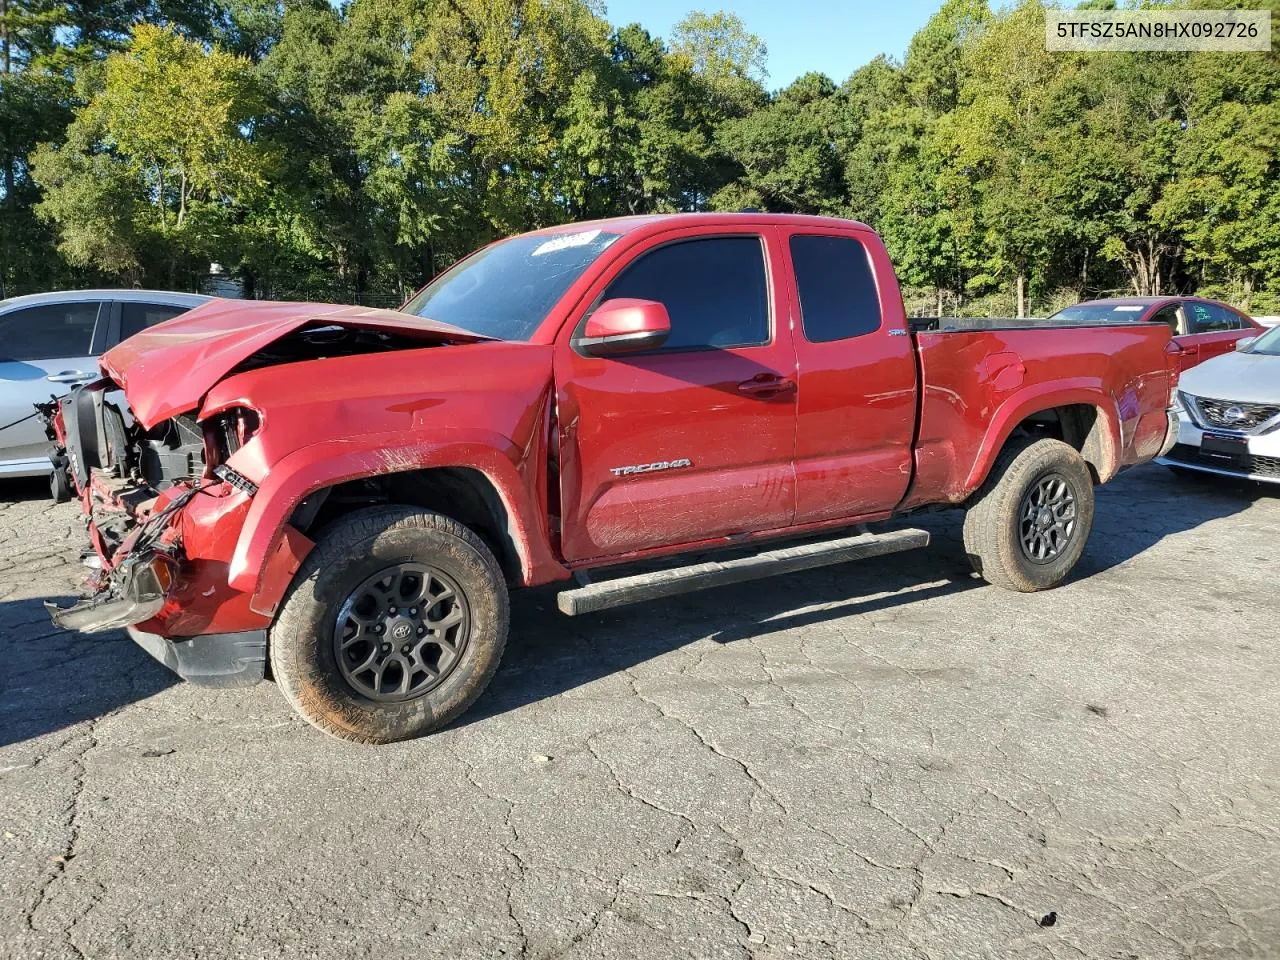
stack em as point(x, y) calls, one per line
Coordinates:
point(165, 453)
point(161, 509)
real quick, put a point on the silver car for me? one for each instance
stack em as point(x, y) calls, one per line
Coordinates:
point(49, 342)
point(1229, 413)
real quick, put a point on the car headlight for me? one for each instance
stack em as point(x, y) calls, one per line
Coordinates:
point(1186, 406)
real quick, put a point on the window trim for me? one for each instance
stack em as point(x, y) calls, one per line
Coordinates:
point(759, 236)
point(871, 268)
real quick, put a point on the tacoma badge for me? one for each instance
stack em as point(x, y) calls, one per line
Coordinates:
point(651, 467)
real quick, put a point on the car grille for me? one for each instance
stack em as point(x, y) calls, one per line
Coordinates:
point(1259, 466)
point(1234, 414)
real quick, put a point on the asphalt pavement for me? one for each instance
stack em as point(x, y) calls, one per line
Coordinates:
point(885, 759)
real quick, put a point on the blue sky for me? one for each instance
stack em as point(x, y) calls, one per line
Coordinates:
point(833, 36)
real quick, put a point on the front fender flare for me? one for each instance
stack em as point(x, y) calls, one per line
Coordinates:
point(324, 464)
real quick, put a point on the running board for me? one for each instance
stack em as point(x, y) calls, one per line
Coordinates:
point(700, 576)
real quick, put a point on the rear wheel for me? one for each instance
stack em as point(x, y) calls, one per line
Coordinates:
point(392, 627)
point(1027, 526)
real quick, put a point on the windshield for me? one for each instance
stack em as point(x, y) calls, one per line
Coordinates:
point(1267, 343)
point(1100, 313)
point(506, 290)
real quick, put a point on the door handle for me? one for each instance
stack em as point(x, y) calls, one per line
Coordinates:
point(68, 376)
point(766, 385)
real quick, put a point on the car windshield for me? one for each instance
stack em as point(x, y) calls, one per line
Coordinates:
point(1100, 313)
point(1267, 343)
point(506, 290)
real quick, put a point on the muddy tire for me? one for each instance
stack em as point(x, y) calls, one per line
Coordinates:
point(392, 627)
point(1029, 522)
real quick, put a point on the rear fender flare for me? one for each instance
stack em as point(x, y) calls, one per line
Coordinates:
point(325, 464)
point(1038, 399)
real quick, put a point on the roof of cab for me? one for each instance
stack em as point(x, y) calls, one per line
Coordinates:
point(631, 224)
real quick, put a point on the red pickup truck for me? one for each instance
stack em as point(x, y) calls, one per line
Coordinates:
point(340, 498)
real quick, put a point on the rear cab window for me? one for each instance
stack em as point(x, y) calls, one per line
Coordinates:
point(836, 287)
point(715, 289)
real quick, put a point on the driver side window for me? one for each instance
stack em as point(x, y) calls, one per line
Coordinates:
point(715, 291)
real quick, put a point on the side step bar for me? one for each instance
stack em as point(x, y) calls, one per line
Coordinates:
point(699, 576)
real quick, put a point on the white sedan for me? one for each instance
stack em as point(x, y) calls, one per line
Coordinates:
point(1229, 413)
point(49, 343)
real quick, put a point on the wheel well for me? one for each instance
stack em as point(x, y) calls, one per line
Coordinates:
point(462, 493)
point(1080, 425)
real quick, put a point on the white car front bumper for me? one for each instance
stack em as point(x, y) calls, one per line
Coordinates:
point(1229, 453)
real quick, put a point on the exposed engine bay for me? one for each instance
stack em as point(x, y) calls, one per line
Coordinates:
point(133, 482)
point(327, 340)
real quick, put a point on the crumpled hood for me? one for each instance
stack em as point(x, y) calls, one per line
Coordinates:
point(166, 369)
point(1247, 377)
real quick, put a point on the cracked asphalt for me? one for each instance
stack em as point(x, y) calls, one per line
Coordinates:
point(886, 759)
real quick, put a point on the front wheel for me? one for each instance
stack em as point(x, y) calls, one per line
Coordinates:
point(1028, 524)
point(393, 626)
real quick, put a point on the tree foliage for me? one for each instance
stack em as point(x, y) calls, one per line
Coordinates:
point(353, 151)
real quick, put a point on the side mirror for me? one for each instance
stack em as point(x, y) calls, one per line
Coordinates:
point(623, 326)
point(1244, 343)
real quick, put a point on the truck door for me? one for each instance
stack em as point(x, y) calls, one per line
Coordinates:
point(693, 440)
point(857, 402)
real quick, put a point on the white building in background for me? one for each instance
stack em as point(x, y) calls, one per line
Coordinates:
point(218, 284)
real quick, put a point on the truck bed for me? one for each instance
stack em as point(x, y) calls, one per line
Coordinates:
point(975, 379)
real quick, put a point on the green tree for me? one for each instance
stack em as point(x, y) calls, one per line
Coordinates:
point(788, 152)
point(154, 162)
point(997, 136)
point(1224, 194)
point(720, 49)
point(926, 203)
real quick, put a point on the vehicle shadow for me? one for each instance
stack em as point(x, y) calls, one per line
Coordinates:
point(24, 489)
point(549, 654)
point(54, 679)
point(1144, 505)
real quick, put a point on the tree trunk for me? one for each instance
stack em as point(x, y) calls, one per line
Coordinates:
point(939, 301)
point(1022, 294)
point(5, 54)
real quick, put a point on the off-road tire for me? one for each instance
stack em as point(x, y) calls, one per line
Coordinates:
point(347, 552)
point(991, 523)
